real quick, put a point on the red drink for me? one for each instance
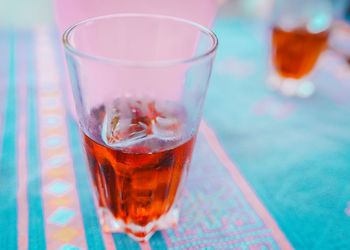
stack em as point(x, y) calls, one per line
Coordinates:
point(140, 182)
point(295, 52)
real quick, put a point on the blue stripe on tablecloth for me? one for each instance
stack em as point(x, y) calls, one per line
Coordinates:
point(157, 241)
point(122, 241)
point(4, 76)
point(36, 223)
point(8, 164)
point(93, 234)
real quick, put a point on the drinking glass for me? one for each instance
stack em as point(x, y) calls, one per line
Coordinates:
point(139, 83)
point(300, 30)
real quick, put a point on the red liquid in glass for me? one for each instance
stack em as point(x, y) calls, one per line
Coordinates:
point(138, 184)
point(295, 52)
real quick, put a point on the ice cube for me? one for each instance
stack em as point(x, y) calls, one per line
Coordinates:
point(166, 126)
point(126, 122)
point(131, 122)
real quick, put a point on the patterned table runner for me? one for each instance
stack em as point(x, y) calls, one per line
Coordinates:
point(45, 192)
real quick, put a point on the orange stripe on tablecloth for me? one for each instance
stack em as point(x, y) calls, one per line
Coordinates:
point(52, 130)
point(50, 93)
point(51, 152)
point(50, 90)
point(55, 157)
point(245, 188)
point(50, 111)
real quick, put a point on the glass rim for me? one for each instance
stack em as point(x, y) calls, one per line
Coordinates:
point(157, 63)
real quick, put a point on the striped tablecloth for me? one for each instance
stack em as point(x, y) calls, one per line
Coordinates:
point(45, 191)
point(294, 154)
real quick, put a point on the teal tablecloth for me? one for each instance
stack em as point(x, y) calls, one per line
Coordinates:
point(268, 172)
point(295, 153)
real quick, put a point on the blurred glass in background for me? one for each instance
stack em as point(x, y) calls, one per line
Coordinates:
point(300, 30)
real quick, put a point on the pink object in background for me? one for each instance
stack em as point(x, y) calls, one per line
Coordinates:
point(69, 12)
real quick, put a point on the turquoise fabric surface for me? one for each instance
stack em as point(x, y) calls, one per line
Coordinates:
point(294, 152)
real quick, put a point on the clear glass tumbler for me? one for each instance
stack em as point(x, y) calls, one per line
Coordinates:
point(299, 34)
point(139, 83)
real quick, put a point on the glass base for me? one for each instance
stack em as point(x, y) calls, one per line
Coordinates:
point(303, 88)
point(139, 233)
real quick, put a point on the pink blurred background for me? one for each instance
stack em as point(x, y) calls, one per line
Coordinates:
point(69, 12)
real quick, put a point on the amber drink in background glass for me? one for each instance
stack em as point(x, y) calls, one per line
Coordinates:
point(298, 45)
point(299, 35)
point(139, 98)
